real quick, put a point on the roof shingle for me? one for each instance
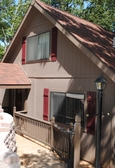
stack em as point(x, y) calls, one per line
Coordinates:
point(98, 40)
point(12, 75)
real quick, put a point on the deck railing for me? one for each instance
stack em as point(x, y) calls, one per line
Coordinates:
point(59, 138)
point(32, 127)
point(61, 142)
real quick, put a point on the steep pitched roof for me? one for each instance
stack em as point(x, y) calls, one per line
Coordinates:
point(93, 37)
point(13, 76)
point(93, 40)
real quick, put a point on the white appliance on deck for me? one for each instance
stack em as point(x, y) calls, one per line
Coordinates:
point(8, 147)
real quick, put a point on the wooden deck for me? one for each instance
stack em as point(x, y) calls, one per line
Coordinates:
point(34, 154)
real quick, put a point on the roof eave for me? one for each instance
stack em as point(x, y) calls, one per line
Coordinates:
point(14, 86)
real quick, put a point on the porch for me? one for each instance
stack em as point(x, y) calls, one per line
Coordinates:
point(47, 144)
point(34, 154)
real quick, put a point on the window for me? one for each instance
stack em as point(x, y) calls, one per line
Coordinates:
point(64, 107)
point(38, 47)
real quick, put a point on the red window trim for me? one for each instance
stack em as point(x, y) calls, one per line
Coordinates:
point(23, 50)
point(45, 104)
point(54, 44)
point(91, 111)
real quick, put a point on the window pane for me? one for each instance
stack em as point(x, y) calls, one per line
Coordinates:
point(32, 48)
point(38, 47)
point(65, 106)
point(43, 46)
point(71, 109)
point(58, 106)
point(74, 106)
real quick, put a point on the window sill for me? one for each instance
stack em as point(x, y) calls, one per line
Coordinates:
point(38, 61)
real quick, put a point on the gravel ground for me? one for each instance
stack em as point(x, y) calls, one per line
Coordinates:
point(33, 154)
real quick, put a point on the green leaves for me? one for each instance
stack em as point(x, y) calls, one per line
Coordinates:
point(101, 12)
point(11, 15)
point(1, 51)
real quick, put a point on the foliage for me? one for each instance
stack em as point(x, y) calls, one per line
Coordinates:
point(1, 51)
point(101, 12)
point(11, 14)
point(70, 6)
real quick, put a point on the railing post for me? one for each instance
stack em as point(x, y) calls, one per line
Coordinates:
point(71, 149)
point(52, 135)
point(25, 105)
point(76, 141)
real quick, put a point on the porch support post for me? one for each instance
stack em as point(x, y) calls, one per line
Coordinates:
point(14, 110)
point(52, 135)
point(76, 141)
point(25, 105)
point(71, 147)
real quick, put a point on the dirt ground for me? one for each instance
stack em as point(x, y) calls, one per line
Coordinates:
point(34, 154)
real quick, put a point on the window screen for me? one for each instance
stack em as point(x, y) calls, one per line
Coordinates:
point(58, 105)
point(43, 46)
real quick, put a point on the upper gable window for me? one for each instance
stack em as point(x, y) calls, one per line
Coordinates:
point(38, 47)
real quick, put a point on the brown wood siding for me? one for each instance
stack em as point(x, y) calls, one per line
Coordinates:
point(78, 80)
